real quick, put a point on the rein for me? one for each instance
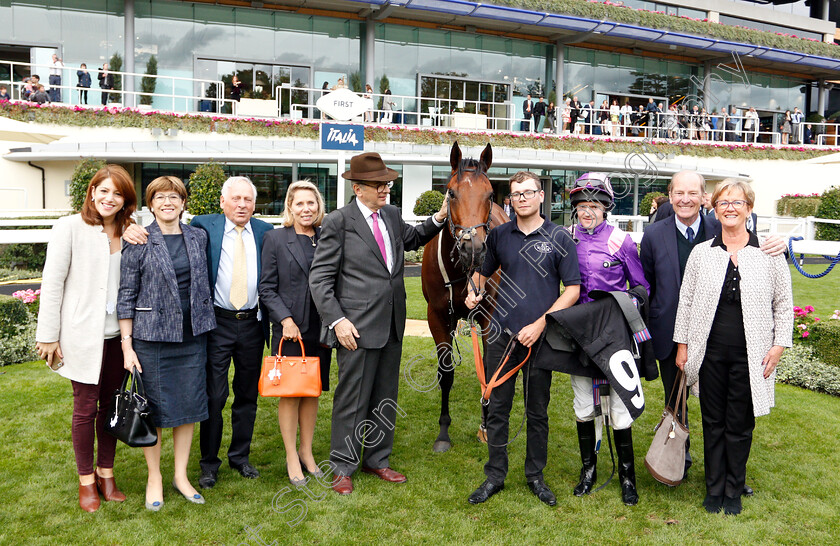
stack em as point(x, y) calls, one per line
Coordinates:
point(488, 386)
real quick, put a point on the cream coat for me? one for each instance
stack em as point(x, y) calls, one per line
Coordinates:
point(73, 294)
point(766, 303)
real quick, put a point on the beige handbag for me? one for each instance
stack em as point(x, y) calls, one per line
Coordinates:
point(665, 460)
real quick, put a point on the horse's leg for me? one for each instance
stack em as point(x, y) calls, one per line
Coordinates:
point(439, 326)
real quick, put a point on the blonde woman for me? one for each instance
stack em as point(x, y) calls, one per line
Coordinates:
point(284, 289)
point(78, 333)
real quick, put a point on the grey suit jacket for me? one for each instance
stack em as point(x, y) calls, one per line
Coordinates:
point(349, 277)
point(284, 281)
point(149, 288)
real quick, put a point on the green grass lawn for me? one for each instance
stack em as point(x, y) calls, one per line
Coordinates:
point(823, 294)
point(793, 468)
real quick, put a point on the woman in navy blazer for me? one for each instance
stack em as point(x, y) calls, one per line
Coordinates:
point(165, 310)
point(284, 290)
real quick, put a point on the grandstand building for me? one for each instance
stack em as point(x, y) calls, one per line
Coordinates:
point(450, 65)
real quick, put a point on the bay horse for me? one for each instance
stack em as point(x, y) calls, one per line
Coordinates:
point(453, 256)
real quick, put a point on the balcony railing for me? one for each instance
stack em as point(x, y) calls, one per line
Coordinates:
point(172, 93)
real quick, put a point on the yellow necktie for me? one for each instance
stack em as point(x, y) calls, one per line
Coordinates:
point(239, 283)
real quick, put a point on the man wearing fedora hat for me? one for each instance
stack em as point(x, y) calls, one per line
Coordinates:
point(356, 280)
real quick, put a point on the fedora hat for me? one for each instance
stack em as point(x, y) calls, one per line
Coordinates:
point(369, 167)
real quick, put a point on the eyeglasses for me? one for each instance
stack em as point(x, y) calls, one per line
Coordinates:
point(160, 199)
point(520, 195)
point(723, 205)
point(380, 188)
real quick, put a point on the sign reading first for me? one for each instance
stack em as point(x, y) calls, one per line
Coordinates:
point(343, 104)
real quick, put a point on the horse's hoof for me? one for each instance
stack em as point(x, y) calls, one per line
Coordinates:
point(482, 435)
point(441, 446)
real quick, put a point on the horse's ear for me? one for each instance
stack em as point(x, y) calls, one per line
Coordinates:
point(455, 156)
point(487, 156)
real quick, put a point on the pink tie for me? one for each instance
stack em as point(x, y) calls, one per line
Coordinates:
point(377, 234)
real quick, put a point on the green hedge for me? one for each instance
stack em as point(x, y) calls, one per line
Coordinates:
point(205, 189)
point(79, 182)
point(663, 21)
point(829, 209)
point(17, 332)
point(799, 206)
point(428, 203)
point(647, 201)
point(799, 366)
point(23, 256)
point(825, 340)
point(414, 256)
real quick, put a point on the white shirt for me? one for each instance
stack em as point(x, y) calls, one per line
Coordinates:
point(224, 276)
point(368, 214)
point(694, 227)
point(55, 67)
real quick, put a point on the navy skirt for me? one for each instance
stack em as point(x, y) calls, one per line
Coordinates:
point(175, 378)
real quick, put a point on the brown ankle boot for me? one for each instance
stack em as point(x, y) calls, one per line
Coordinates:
point(108, 488)
point(88, 497)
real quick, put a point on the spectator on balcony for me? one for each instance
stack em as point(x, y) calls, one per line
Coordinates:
point(730, 126)
point(235, 89)
point(638, 119)
point(527, 110)
point(808, 136)
point(84, 83)
point(626, 112)
point(4, 93)
point(550, 117)
point(786, 127)
point(539, 112)
point(615, 118)
point(652, 120)
point(574, 115)
point(31, 85)
point(368, 95)
point(40, 96)
point(567, 116)
point(714, 124)
point(587, 116)
point(705, 125)
point(796, 124)
point(106, 82)
point(387, 108)
point(604, 118)
point(751, 125)
point(56, 66)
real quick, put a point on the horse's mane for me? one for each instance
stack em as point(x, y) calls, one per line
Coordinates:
point(471, 165)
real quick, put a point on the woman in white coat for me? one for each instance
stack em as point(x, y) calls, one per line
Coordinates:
point(78, 331)
point(734, 319)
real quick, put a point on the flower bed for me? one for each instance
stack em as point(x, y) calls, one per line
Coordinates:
point(306, 129)
point(798, 204)
point(799, 366)
point(614, 11)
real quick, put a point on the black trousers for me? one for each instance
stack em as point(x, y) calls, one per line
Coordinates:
point(728, 420)
point(537, 396)
point(365, 406)
point(242, 341)
point(668, 373)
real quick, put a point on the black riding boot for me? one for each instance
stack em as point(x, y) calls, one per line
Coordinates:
point(588, 472)
point(626, 466)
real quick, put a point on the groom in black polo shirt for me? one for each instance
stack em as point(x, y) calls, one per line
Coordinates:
point(535, 256)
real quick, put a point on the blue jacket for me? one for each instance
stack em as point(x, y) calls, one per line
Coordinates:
point(214, 226)
point(661, 265)
point(84, 78)
point(149, 288)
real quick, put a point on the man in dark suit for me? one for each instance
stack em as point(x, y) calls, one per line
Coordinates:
point(587, 112)
point(574, 113)
point(539, 112)
point(665, 248)
point(527, 110)
point(356, 280)
point(509, 209)
point(233, 256)
point(666, 210)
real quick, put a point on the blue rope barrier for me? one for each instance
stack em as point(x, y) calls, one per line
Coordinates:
point(834, 261)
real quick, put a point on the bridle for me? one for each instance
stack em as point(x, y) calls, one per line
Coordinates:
point(467, 232)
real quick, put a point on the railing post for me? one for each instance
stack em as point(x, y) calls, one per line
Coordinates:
point(810, 231)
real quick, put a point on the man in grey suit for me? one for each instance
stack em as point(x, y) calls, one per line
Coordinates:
point(356, 280)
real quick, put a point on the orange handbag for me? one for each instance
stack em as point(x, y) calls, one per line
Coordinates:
point(291, 376)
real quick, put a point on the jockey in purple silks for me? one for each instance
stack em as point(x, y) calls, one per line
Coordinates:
point(608, 261)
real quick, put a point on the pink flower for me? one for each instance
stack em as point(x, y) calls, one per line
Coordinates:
point(805, 334)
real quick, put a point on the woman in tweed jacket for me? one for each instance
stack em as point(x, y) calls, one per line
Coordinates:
point(734, 319)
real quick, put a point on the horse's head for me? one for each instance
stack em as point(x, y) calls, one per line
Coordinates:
point(470, 206)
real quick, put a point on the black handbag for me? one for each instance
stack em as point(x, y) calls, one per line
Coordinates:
point(131, 420)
